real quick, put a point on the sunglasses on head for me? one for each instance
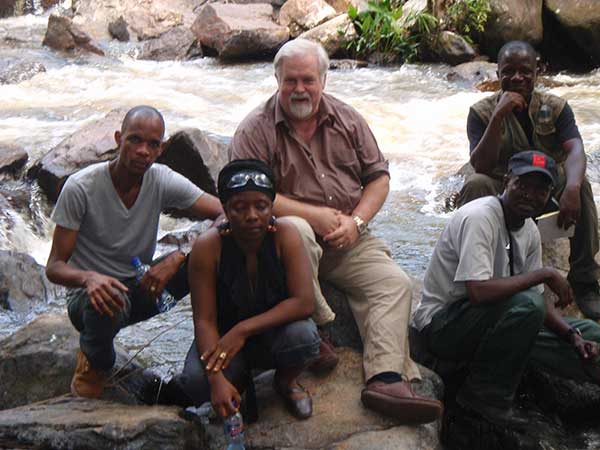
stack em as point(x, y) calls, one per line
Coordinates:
point(241, 179)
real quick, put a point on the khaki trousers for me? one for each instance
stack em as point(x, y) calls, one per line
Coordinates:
point(378, 292)
point(584, 243)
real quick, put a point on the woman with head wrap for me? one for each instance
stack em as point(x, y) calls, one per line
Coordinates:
point(252, 298)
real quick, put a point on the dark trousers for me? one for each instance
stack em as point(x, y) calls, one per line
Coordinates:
point(498, 340)
point(295, 344)
point(97, 331)
point(584, 243)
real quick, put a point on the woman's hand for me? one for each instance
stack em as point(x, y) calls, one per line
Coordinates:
point(219, 357)
point(224, 397)
point(587, 350)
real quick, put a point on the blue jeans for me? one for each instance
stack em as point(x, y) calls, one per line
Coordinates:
point(295, 344)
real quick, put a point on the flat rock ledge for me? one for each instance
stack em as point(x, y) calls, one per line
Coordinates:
point(82, 424)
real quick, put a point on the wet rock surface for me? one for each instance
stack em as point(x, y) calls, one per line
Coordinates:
point(81, 424)
point(450, 48)
point(23, 283)
point(16, 72)
point(92, 143)
point(45, 351)
point(302, 15)
point(118, 29)
point(12, 158)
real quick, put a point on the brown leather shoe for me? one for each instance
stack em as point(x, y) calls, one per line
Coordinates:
point(87, 382)
point(299, 406)
point(327, 359)
point(399, 401)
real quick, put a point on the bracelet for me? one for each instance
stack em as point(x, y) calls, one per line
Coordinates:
point(572, 332)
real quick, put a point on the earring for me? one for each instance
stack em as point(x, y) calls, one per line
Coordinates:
point(224, 229)
point(272, 227)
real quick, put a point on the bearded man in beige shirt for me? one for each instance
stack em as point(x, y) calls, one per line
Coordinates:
point(332, 177)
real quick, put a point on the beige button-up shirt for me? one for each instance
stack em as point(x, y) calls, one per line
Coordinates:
point(331, 170)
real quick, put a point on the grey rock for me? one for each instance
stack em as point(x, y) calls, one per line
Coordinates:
point(198, 155)
point(473, 72)
point(510, 20)
point(333, 34)
point(92, 143)
point(118, 29)
point(302, 15)
point(82, 424)
point(11, 8)
point(452, 48)
point(20, 71)
point(38, 362)
point(23, 283)
point(347, 64)
point(62, 34)
point(579, 23)
point(12, 159)
point(176, 44)
point(239, 31)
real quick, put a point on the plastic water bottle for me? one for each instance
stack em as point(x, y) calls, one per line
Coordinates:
point(233, 427)
point(165, 301)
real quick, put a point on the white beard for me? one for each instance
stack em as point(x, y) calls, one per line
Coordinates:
point(301, 110)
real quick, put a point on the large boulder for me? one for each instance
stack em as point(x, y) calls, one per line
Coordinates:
point(62, 34)
point(12, 158)
point(510, 20)
point(198, 155)
point(93, 143)
point(341, 6)
point(450, 48)
point(11, 8)
point(38, 361)
point(239, 31)
point(146, 19)
point(410, 10)
point(118, 29)
point(302, 15)
point(82, 424)
point(333, 34)
point(473, 73)
point(23, 283)
point(578, 22)
point(19, 71)
point(339, 419)
point(176, 44)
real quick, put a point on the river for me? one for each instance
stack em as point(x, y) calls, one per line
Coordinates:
point(417, 116)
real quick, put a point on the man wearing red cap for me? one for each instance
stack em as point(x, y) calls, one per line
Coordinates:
point(482, 297)
point(519, 118)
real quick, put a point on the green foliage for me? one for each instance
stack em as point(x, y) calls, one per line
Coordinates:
point(379, 31)
point(468, 17)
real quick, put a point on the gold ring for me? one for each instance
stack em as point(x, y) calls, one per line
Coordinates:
point(222, 355)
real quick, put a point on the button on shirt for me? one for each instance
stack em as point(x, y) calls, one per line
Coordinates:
point(331, 170)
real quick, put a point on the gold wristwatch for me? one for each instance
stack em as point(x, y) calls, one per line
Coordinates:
point(361, 225)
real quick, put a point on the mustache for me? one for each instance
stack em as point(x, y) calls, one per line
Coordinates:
point(303, 96)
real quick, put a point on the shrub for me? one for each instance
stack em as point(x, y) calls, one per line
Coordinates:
point(468, 17)
point(380, 33)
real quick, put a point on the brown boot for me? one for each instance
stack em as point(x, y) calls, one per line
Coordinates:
point(398, 400)
point(87, 382)
point(327, 359)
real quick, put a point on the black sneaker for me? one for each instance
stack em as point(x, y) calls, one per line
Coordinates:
point(587, 297)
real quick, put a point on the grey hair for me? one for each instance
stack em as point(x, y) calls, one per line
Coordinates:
point(300, 47)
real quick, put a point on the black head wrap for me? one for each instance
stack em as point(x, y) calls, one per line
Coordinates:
point(244, 165)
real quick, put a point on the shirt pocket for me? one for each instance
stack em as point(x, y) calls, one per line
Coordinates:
point(343, 155)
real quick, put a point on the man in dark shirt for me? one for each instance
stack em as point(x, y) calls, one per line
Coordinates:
point(519, 118)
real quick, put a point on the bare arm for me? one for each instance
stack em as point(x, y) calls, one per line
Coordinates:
point(102, 289)
point(499, 289)
point(207, 206)
point(484, 156)
point(322, 219)
point(575, 165)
